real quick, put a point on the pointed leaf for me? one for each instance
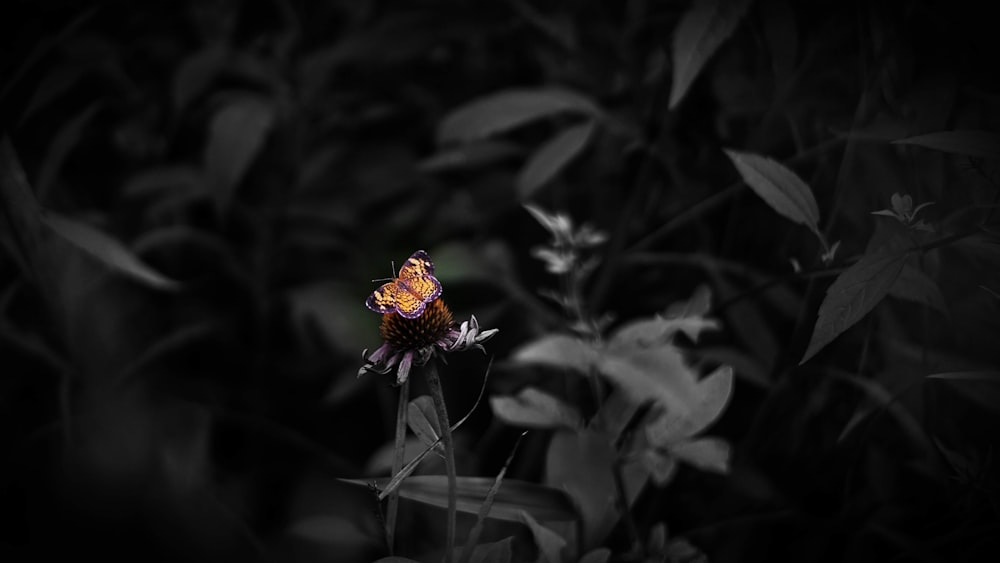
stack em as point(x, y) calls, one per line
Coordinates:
point(552, 157)
point(423, 420)
point(779, 186)
point(852, 295)
point(599, 555)
point(497, 552)
point(550, 544)
point(542, 502)
point(471, 155)
point(656, 374)
point(509, 109)
point(557, 350)
point(914, 285)
point(236, 135)
point(108, 250)
point(710, 454)
point(968, 142)
point(534, 408)
point(684, 316)
point(704, 27)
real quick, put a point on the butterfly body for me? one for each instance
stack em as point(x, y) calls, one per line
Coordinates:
point(409, 293)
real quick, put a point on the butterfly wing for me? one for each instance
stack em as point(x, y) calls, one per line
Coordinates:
point(409, 305)
point(416, 278)
point(383, 299)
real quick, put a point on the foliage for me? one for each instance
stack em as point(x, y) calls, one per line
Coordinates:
point(744, 258)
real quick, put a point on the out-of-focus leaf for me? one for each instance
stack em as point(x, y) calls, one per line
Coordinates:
point(674, 425)
point(981, 387)
point(470, 155)
point(550, 544)
point(395, 559)
point(170, 343)
point(108, 250)
point(154, 182)
point(60, 147)
point(196, 72)
point(497, 552)
point(552, 157)
point(557, 350)
point(967, 142)
point(56, 83)
point(661, 465)
point(852, 295)
point(542, 502)
point(704, 27)
point(332, 530)
point(781, 188)
point(710, 454)
point(423, 420)
point(339, 315)
point(508, 109)
point(236, 134)
point(914, 285)
point(599, 555)
point(580, 463)
point(535, 409)
point(656, 373)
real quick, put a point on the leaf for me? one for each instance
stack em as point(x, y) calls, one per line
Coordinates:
point(656, 374)
point(557, 350)
point(153, 182)
point(496, 552)
point(552, 157)
point(471, 155)
point(980, 387)
point(535, 409)
point(777, 185)
point(236, 135)
point(542, 502)
point(108, 250)
point(60, 148)
point(196, 72)
point(967, 142)
point(914, 285)
point(423, 420)
point(852, 295)
point(581, 463)
point(334, 531)
point(704, 27)
point(710, 454)
point(508, 109)
point(675, 425)
point(550, 544)
point(599, 555)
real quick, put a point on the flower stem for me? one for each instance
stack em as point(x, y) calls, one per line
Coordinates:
point(437, 394)
point(399, 449)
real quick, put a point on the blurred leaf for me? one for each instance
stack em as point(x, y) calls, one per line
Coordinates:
point(968, 142)
point(60, 148)
point(981, 387)
point(542, 502)
point(236, 135)
point(580, 463)
point(423, 420)
point(781, 188)
point(395, 559)
point(470, 155)
point(196, 73)
point(686, 316)
point(56, 83)
point(484, 509)
point(656, 373)
point(599, 555)
point(710, 454)
point(154, 182)
point(496, 552)
point(914, 285)
point(704, 27)
point(170, 343)
point(557, 350)
point(852, 295)
point(535, 409)
point(661, 465)
point(552, 157)
point(332, 530)
point(508, 109)
point(550, 544)
point(108, 250)
point(340, 314)
point(677, 425)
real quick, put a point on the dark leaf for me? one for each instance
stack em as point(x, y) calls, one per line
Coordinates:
point(509, 109)
point(552, 157)
point(704, 27)
point(969, 142)
point(777, 185)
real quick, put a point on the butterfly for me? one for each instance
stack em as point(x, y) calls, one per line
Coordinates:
point(410, 292)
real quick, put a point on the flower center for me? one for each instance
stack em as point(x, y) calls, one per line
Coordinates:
point(410, 334)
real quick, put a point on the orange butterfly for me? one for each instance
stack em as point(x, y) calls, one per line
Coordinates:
point(409, 293)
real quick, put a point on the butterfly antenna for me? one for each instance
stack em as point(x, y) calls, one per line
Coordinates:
point(393, 274)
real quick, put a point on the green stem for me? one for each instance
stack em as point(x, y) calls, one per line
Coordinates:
point(437, 394)
point(399, 449)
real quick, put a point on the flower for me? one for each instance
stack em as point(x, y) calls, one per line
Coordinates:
point(410, 342)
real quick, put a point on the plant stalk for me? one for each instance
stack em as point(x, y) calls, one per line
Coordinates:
point(437, 394)
point(399, 449)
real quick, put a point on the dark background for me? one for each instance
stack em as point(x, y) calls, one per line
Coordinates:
point(210, 423)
